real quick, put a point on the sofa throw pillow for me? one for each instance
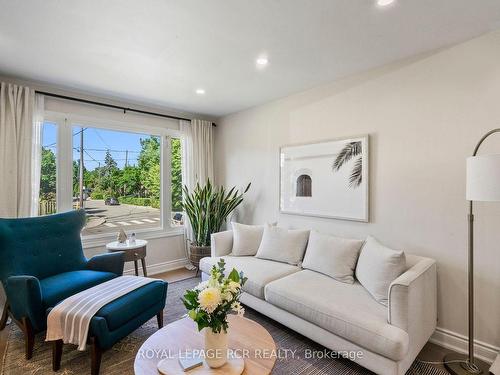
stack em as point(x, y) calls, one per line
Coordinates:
point(283, 245)
point(378, 266)
point(332, 256)
point(246, 239)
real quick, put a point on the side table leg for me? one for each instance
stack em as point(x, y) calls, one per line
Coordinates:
point(136, 266)
point(143, 261)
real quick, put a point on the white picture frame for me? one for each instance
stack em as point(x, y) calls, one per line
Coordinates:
point(328, 179)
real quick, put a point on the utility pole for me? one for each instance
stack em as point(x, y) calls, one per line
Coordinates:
point(81, 167)
point(126, 158)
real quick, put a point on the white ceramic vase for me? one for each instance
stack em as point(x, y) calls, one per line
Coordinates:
point(215, 348)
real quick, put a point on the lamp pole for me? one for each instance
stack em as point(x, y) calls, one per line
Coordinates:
point(460, 365)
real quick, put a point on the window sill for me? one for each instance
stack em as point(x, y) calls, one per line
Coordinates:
point(90, 242)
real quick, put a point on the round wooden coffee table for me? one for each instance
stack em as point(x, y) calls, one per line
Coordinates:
point(247, 337)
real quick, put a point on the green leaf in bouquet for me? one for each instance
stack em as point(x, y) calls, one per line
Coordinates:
point(234, 276)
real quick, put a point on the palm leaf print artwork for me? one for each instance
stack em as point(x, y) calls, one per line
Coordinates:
point(350, 151)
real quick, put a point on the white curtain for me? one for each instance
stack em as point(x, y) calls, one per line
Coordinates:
point(16, 129)
point(36, 152)
point(197, 156)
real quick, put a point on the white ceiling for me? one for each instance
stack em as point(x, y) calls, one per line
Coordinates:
point(160, 51)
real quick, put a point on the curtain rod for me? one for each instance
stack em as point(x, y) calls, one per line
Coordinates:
point(124, 109)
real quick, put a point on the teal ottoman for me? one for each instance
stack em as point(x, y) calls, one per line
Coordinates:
point(118, 319)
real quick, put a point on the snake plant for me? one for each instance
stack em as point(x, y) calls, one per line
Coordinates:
point(208, 207)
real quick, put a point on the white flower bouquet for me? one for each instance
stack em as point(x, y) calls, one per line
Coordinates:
point(210, 302)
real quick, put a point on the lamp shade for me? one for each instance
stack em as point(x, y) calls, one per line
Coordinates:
point(483, 178)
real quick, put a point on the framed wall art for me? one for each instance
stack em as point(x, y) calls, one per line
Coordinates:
point(326, 179)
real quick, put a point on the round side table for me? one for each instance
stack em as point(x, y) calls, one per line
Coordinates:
point(133, 252)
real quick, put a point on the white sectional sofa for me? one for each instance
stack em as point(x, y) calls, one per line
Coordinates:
point(338, 315)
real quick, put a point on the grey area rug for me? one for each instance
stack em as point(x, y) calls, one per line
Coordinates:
point(120, 359)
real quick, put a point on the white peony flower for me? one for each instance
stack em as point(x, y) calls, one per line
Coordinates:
point(209, 299)
point(234, 287)
point(227, 296)
point(237, 308)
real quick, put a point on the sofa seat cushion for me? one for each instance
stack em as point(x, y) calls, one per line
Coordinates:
point(346, 310)
point(131, 305)
point(59, 287)
point(258, 271)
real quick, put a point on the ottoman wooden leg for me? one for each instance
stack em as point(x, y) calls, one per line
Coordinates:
point(57, 346)
point(159, 318)
point(96, 356)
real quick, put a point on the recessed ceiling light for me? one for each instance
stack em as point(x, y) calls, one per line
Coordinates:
point(384, 3)
point(262, 61)
point(200, 91)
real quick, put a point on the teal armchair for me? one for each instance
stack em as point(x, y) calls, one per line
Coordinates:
point(42, 263)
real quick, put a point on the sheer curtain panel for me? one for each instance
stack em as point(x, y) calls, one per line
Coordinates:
point(16, 129)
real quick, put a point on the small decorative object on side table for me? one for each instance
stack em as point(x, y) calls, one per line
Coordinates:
point(133, 252)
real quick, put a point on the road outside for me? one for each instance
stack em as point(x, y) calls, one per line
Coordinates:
point(109, 219)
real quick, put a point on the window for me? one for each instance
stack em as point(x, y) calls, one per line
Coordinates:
point(304, 186)
point(116, 173)
point(48, 175)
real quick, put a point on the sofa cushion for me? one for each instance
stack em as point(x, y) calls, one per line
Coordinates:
point(246, 239)
point(333, 256)
point(378, 266)
point(283, 245)
point(259, 271)
point(58, 287)
point(346, 310)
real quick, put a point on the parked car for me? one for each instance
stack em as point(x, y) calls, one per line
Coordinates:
point(111, 202)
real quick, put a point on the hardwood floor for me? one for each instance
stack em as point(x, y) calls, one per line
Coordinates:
point(430, 352)
point(176, 275)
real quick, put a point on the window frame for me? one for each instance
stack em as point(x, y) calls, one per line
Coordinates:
point(64, 169)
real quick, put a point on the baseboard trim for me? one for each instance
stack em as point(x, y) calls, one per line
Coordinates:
point(154, 269)
point(459, 343)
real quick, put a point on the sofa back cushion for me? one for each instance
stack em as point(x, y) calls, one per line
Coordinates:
point(332, 256)
point(246, 239)
point(283, 245)
point(378, 266)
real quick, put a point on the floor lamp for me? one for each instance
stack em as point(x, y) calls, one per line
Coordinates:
point(483, 184)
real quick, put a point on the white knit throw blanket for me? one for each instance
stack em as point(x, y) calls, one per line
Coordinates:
point(69, 320)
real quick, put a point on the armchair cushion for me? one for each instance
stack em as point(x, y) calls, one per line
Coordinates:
point(111, 262)
point(58, 287)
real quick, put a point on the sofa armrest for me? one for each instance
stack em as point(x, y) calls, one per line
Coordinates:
point(110, 262)
point(221, 243)
point(413, 300)
point(24, 296)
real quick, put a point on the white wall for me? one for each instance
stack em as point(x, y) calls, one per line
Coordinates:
point(424, 117)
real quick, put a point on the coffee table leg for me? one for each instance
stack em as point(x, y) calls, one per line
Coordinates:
point(136, 266)
point(143, 262)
